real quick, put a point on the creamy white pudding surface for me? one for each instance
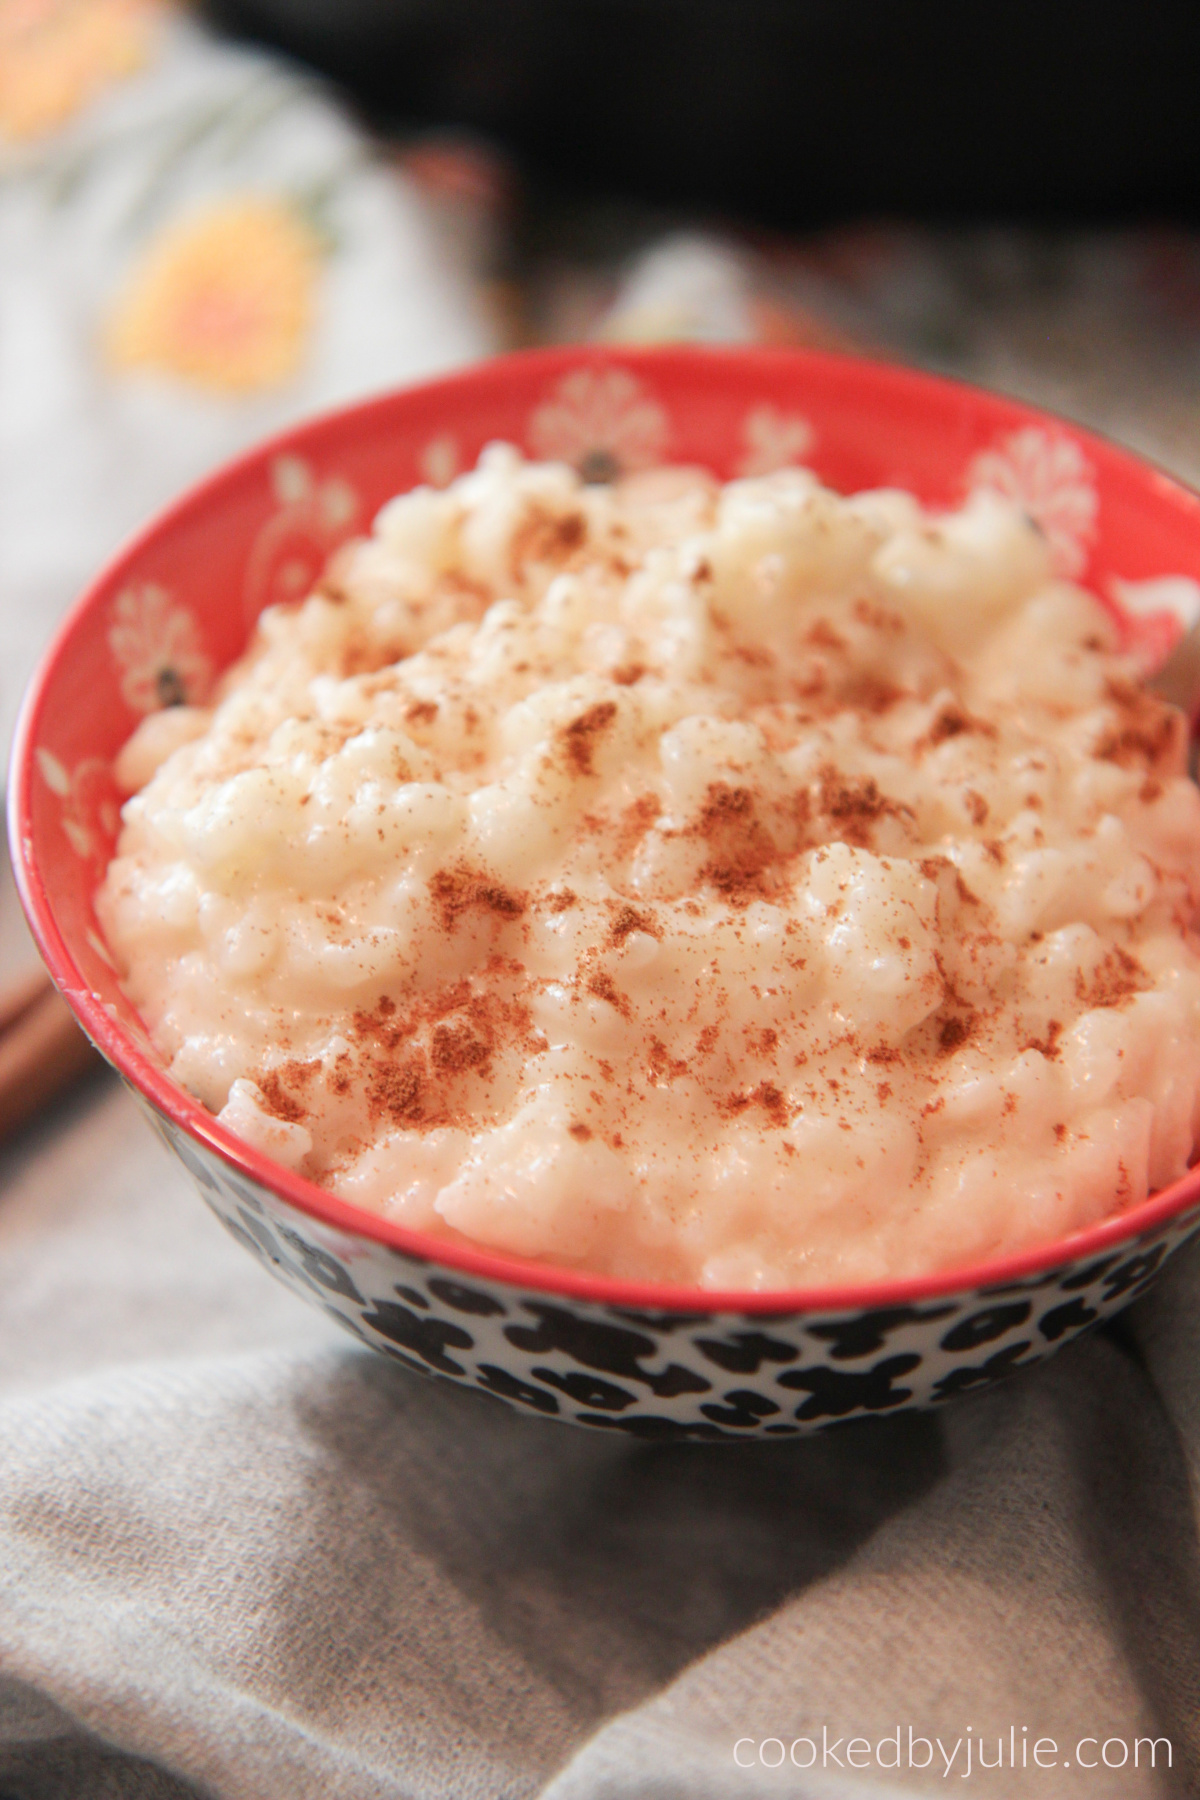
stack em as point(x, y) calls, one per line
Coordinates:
point(736, 885)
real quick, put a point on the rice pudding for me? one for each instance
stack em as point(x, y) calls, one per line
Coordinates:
point(738, 885)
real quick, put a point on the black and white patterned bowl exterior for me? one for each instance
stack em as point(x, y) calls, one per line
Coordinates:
point(670, 1375)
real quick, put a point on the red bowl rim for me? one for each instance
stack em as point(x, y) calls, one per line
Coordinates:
point(1122, 1230)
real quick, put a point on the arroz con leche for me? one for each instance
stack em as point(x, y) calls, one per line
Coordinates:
point(735, 885)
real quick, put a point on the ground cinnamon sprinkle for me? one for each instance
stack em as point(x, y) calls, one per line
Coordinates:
point(954, 1032)
point(1113, 980)
point(396, 1089)
point(460, 890)
point(635, 821)
point(458, 1044)
point(411, 1061)
point(951, 721)
point(381, 1025)
point(662, 1065)
point(824, 637)
point(852, 805)
point(579, 737)
point(948, 724)
point(544, 537)
point(279, 1102)
point(878, 618)
point(871, 695)
point(1148, 731)
point(628, 918)
point(605, 988)
point(768, 1098)
point(740, 847)
point(773, 1103)
point(1048, 1045)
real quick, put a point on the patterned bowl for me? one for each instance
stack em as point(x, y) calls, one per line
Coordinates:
point(176, 605)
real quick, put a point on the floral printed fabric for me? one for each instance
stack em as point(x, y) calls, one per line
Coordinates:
point(56, 55)
point(196, 247)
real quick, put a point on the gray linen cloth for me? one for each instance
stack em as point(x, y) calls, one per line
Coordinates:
point(242, 1556)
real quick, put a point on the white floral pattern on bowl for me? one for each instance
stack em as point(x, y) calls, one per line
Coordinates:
point(292, 547)
point(90, 813)
point(156, 646)
point(1048, 475)
point(774, 439)
point(602, 422)
point(1156, 614)
point(441, 460)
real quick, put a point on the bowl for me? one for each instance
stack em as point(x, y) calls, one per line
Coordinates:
point(177, 603)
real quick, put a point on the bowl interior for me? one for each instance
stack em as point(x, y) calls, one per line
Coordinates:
point(176, 605)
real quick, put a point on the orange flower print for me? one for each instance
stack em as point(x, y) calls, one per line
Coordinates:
point(223, 298)
point(55, 55)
